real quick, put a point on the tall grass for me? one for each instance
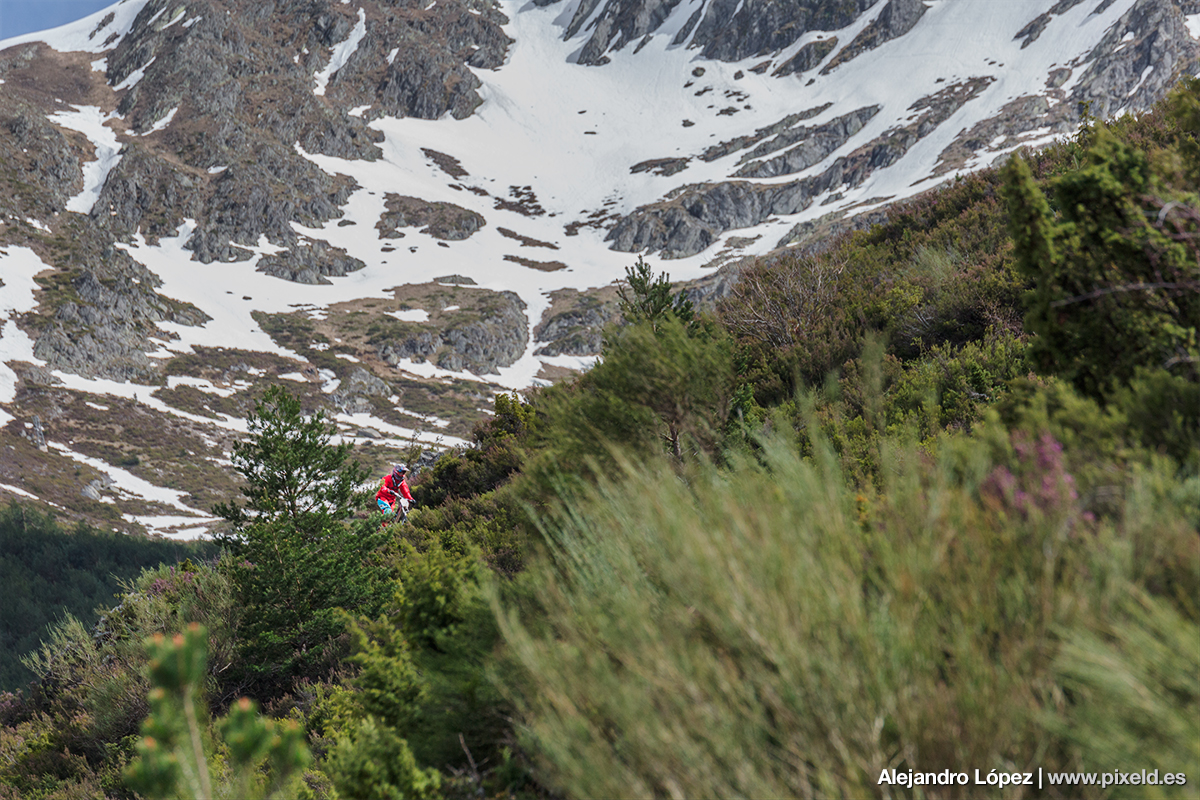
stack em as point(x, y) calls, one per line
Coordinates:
point(769, 631)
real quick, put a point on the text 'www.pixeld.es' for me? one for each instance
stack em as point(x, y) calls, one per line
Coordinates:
point(1040, 778)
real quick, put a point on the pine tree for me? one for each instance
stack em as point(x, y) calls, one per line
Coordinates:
point(293, 470)
point(297, 558)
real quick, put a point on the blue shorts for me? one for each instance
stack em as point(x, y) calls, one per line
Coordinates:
point(385, 508)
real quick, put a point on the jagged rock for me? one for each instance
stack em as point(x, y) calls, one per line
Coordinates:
point(263, 198)
point(1033, 30)
point(145, 192)
point(807, 57)
point(577, 330)
point(1135, 76)
point(104, 329)
point(661, 166)
point(815, 144)
point(741, 142)
point(726, 30)
point(39, 434)
point(692, 219)
point(732, 30)
point(30, 144)
point(459, 280)
point(618, 24)
point(313, 263)
point(440, 220)
point(896, 19)
point(495, 338)
point(352, 394)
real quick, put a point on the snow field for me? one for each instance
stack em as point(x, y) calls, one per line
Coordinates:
point(84, 34)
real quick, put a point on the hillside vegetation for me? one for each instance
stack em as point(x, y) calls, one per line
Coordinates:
point(49, 573)
point(927, 501)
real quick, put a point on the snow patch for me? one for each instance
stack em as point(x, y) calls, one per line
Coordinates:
point(1193, 25)
point(410, 315)
point(163, 123)
point(178, 16)
point(201, 384)
point(89, 121)
point(135, 77)
point(18, 265)
point(16, 491)
point(358, 111)
point(127, 483)
point(340, 53)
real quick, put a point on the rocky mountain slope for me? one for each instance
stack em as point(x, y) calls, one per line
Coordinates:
point(403, 207)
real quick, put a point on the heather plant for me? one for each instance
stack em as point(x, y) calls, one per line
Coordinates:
point(776, 631)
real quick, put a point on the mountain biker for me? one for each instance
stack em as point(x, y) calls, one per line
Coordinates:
point(394, 491)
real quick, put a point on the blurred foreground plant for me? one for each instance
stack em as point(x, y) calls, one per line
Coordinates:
point(775, 630)
point(177, 752)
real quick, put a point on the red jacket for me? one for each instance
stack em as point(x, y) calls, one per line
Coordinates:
point(390, 488)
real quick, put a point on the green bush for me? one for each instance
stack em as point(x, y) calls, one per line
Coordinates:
point(773, 632)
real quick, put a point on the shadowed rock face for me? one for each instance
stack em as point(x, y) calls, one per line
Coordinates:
point(725, 30)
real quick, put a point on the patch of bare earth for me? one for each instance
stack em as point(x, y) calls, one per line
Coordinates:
point(543, 266)
point(525, 240)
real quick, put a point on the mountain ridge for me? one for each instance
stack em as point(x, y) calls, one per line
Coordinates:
point(343, 191)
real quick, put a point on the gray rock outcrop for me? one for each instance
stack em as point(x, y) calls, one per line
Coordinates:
point(576, 331)
point(695, 216)
point(353, 394)
point(439, 220)
point(494, 336)
point(896, 19)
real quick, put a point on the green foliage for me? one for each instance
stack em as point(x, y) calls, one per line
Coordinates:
point(175, 751)
point(374, 763)
point(293, 472)
point(293, 585)
point(495, 456)
point(422, 702)
point(656, 389)
point(1116, 272)
point(938, 272)
point(773, 631)
point(79, 723)
point(49, 572)
point(296, 563)
point(645, 298)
